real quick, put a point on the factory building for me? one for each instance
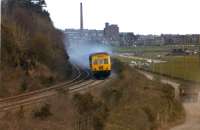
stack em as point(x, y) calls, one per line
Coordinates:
point(76, 35)
point(111, 33)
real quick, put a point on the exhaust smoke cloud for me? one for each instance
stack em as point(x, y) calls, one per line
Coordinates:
point(79, 51)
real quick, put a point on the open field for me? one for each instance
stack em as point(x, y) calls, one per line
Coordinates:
point(185, 67)
point(142, 48)
point(153, 48)
point(153, 51)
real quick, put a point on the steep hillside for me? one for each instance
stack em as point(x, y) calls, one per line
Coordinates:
point(32, 50)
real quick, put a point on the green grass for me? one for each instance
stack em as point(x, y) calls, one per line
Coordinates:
point(164, 48)
point(141, 49)
point(128, 60)
point(185, 67)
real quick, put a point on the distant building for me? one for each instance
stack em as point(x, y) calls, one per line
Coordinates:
point(149, 40)
point(77, 35)
point(111, 33)
point(181, 39)
point(127, 39)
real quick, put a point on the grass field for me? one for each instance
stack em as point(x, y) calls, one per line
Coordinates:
point(153, 51)
point(141, 48)
point(146, 48)
point(185, 67)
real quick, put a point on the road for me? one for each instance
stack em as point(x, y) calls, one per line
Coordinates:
point(163, 80)
point(192, 110)
point(192, 121)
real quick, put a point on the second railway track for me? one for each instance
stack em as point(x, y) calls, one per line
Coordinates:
point(81, 81)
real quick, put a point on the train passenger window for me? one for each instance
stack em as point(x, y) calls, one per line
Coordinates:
point(100, 61)
point(105, 61)
point(95, 61)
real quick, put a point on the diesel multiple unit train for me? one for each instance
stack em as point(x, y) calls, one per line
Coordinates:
point(100, 64)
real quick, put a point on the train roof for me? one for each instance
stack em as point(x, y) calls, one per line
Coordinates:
point(99, 53)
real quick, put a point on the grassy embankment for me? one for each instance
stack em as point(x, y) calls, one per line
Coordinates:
point(140, 104)
point(32, 50)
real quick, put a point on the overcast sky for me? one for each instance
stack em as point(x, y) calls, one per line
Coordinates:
point(138, 16)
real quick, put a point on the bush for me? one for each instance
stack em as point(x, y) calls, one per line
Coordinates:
point(43, 112)
point(112, 96)
point(117, 65)
point(88, 106)
point(21, 113)
point(84, 103)
point(10, 47)
point(24, 86)
point(40, 49)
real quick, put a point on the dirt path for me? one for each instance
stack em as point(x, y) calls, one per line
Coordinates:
point(192, 117)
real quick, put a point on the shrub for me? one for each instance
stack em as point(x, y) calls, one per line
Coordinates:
point(89, 106)
point(21, 113)
point(43, 112)
point(24, 86)
point(112, 95)
point(40, 49)
point(117, 65)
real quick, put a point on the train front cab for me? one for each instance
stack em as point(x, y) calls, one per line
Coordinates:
point(100, 65)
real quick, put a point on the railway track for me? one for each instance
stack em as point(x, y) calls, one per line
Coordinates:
point(57, 86)
point(82, 81)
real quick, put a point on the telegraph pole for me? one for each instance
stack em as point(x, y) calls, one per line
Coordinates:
point(199, 53)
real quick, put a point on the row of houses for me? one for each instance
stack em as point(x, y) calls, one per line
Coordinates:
point(129, 39)
point(111, 35)
point(180, 39)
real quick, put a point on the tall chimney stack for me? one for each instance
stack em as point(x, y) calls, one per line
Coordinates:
point(81, 16)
